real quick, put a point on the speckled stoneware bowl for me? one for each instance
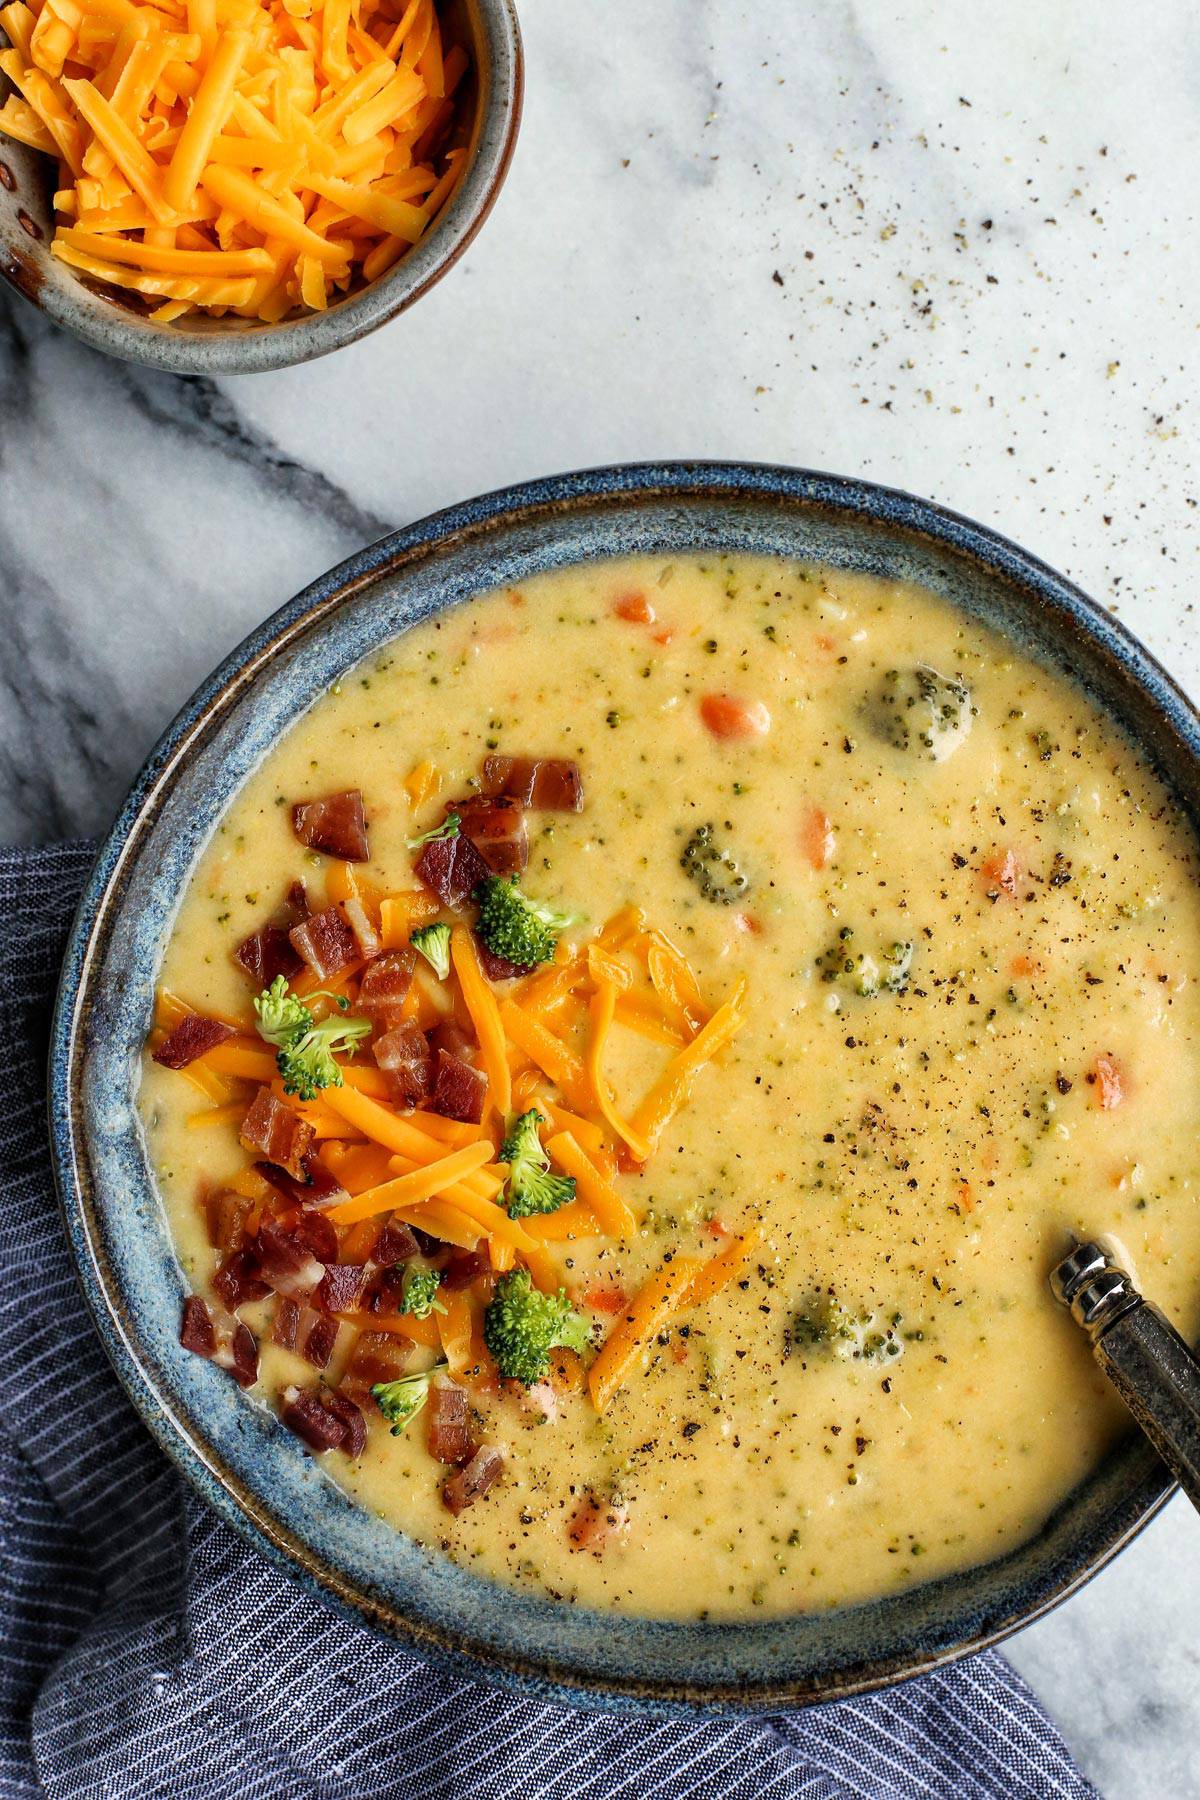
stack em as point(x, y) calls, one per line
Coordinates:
point(486, 125)
point(255, 1473)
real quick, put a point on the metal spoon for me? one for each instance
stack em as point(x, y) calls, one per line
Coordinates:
point(1153, 1370)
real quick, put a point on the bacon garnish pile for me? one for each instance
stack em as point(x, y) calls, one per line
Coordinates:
point(402, 1159)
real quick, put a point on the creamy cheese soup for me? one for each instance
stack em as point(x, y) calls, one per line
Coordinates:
point(965, 914)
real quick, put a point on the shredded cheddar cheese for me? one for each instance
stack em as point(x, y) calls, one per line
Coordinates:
point(253, 157)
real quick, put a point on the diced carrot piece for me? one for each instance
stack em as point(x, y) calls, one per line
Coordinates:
point(816, 837)
point(729, 718)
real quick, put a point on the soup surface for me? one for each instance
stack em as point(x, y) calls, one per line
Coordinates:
point(965, 914)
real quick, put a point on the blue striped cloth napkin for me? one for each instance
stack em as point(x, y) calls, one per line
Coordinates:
point(146, 1650)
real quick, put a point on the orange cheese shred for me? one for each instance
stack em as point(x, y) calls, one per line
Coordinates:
point(597, 1193)
point(420, 1184)
point(675, 1084)
point(648, 1312)
point(484, 1013)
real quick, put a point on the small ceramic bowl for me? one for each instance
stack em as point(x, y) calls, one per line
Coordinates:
point(255, 1473)
point(487, 124)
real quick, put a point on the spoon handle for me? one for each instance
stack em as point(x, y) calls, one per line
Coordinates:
point(1149, 1364)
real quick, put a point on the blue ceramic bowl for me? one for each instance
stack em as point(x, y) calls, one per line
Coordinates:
point(114, 321)
point(256, 1474)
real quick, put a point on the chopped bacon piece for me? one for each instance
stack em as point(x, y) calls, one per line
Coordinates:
point(463, 1268)
point(239, 1354)
point(405, 1057)
point(453, 868)
point(306, 1412)
point(316, 1336)
point(448, 1035)
point(728, 718)
point(191, 1038)
point(267, 953)
point(318, 1188)
point(295, 907)
point(497, 830)
point(227, 1213)
point(396, 1243)
point(340, 1288)
point(287, 1260)
point(325, 942)
point(196, 1331)
point(448, 1434)
point(237, 1282)
point(543, 783)
point(385, 984)
point(274, 1131)
point(377, 1356)
point(366, 938)
point(224, 1341)
point(498, 968)
point(594, 1522)
point(285, 1322)
point(336, 826)
point(459, 1091)
point(343, 1408)
point(462, 1490)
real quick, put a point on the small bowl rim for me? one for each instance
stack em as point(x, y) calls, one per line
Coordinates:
point(292, 342)
point(518, 1668)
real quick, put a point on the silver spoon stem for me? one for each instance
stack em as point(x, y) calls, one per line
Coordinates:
point(1149, 1364)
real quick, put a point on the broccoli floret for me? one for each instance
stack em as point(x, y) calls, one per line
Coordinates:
point(419, 1292)
point(433, 943)
point(713, 869)
point(861, 973)
point(281, 1016)
point(401, 1401)
point(531, 1187)
point(522, 1326)
point(447, 829)
point(830, 1327)
point(513, 926)
point(921, 711)
point(303, 1048)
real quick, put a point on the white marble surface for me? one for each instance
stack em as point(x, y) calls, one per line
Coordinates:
point(953, 248)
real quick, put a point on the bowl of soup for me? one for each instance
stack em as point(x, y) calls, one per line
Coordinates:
point(579, 1054)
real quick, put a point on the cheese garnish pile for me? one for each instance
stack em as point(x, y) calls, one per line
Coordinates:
point(244, 156)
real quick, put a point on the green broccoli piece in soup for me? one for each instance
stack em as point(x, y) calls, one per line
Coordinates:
point(281, 1015)
point(522, 1326)
point(712, 868)
point(448, 828)
point(531, 1188)
point(400, 1401)
point(419, 1292)
point(303, 1047)
point(858, 972)
point(433, 943)
point(924, 713)
point(515, 926)
point(829, 1327)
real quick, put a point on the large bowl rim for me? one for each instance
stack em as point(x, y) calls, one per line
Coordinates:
point(521, 1671)
point(260, 349)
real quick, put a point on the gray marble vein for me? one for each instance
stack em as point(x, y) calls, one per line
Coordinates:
point(950, 248)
